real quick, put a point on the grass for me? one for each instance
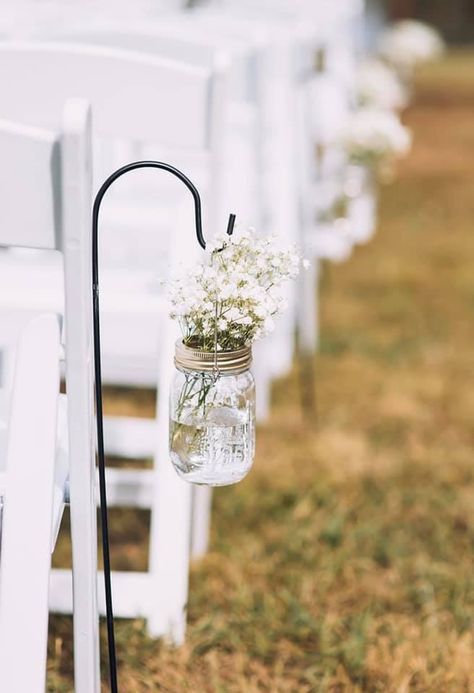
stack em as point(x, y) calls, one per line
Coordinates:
point(344, 562)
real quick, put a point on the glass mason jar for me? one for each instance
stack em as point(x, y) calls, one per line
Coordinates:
point(361, 191)
point(212, 416)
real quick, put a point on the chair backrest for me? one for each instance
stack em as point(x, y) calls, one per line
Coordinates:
point(29, 201)
point(45, 202)
point(121, 86)
point(178, 40)
point(175, 38)
point(135, 97)
point(28, 509)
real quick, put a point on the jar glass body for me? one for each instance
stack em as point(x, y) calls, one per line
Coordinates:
point(212, 426)
point(361, 191)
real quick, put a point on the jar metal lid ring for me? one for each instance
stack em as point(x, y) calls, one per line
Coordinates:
point(227, 362)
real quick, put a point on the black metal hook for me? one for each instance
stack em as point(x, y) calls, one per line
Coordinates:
point(98, 374)
point(132, 167)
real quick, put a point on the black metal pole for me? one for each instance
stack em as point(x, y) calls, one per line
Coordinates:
point(98, 377)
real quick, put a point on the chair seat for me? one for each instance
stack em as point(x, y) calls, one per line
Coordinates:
point(132, 311)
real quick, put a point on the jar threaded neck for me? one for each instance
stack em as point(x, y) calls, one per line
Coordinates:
point(227, 362)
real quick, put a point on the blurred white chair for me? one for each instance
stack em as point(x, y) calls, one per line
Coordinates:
point(175, 38)
point(135, 97)
point(45, 203)
point(323, 102)
point(31, 484)
point(323, 106)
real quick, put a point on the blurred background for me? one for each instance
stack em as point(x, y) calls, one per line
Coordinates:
point(454, 19)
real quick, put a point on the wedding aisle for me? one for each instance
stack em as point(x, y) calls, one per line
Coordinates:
point(343, 562)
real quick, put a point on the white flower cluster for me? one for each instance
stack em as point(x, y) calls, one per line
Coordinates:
point(378, 86)
point(409, 43)
point(373, 136)
point(237, 291)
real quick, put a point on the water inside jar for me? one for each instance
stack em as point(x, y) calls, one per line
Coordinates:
point(215, 450)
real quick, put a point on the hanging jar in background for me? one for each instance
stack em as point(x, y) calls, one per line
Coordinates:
point(360, 189)
point(212, 415)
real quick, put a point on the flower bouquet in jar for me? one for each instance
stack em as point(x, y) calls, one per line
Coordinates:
point(223, 305)
point(375, 138)
point(372, 140)
point(378, 86)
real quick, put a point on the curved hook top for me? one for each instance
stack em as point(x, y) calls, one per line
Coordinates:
point(131, 167)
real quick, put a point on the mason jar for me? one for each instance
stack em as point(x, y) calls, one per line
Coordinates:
point(212, 415)
point(361, 192)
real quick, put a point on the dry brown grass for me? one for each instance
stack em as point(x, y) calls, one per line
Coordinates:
point(344, 562)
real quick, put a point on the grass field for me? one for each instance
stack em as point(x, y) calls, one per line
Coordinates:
point(344, 563)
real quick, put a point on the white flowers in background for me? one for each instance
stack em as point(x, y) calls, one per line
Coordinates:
point(236, 290)
point(374, 137)
point(377, 86)
point(409, 43)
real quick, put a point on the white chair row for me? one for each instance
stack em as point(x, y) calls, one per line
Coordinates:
point(248, 87)
point(35, 156)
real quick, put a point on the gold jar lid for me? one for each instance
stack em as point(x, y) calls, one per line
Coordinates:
point(227, 362)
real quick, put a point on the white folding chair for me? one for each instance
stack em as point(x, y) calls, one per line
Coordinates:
point(135, 97)
point(31, 482)
point(45, 203)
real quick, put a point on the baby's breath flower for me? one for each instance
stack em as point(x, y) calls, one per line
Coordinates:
point(409, 43)
point(373, 136)
point(377, 85)
point(236, 291)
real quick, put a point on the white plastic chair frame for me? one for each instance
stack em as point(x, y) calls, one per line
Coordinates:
point(28, 517)
point(45, 203)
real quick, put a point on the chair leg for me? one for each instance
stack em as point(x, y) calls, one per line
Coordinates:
point(170, 544)
point(201, 521)
point(308, 336)
point(28, 512)
point(170, 531)
point(84, 560)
